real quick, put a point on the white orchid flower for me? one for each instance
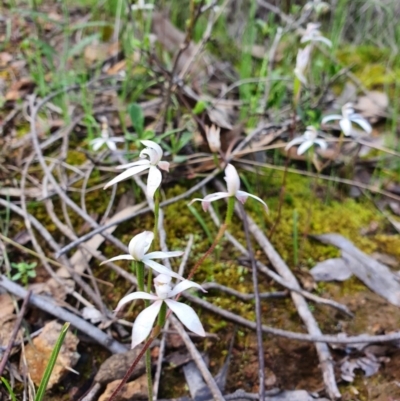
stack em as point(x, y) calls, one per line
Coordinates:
point(313, 34)
point(346, 119)
point(320, 7)
point(302, 61)
point(154, 153)
point(233, 183)
point(145, 320)
point(139, 245)
point(105, 139)
point(141, 5)
point(213, 138)
point(308, 139)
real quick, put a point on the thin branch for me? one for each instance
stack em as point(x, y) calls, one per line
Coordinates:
point(14, 332)
point(48, 305)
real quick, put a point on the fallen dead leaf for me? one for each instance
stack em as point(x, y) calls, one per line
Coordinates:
point(376, 276)
point(373, 105)
point(19, 89)
point(134, 390)
point(331, 270)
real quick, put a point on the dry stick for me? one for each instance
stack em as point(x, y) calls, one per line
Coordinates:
point(370, 188)
point(167, 202)
point(241, 295)
point(276, 277)
point(198, 360)
point(261, 373)
point(48, 305)
point(14, 332)
point(340, 338)
point(50, 240)
point(323, 352)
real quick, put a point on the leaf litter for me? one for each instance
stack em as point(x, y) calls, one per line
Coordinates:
point(208, 87)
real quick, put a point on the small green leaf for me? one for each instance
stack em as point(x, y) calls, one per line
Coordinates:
point(137, 117)
point(51, 363)
point(200, 106)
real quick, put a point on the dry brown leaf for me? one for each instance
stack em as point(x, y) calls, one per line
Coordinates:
point(373, 105)
point(134, 390)
point(6, 306)
point(5, 58)
point(19, 89)
point(171, 38)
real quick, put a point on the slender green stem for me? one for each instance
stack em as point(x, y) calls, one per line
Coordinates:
point(162, 315)
point(148, 374)
point(230, 210)
point(140, 275)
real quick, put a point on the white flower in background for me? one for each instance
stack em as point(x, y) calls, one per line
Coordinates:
point(213, 138)
point(145, 320)
point(141, 5)
point(313, 34)
point(308, 139)
point(302, 61)
point(105, 138)
point(320, 7)
point(139, 245)
point(154, 153)
point(233, 183)
point(346, 119)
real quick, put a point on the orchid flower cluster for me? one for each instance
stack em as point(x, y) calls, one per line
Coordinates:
point(346, 120)
point(165, 292)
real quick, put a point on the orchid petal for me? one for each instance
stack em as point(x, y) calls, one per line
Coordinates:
point(322, 39)
point(331, 118)
point(322, 144)
point(294, 141)
point(362, 122)
point(144, 323)
point(117, 139)
point(133, 164)
point(163, 255)
point(183, 286)
point(151, 154)
point(300, 75)
point(97, 143)
point(111, 145)
point(304, 147)
point(163, 165)
point(140, 244)
point(153, 181)
point(210, 198)
point(187, 316)
point(242, 193)
point(160, 268)
point(133, 296)
point(119, 257)
point(232, 179)
point(242, 196)
point(345, 125)
point(155, 146)
point(126, 174)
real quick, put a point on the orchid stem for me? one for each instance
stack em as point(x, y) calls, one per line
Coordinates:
point(140, 275)
point(162, 315)
point(230, 210)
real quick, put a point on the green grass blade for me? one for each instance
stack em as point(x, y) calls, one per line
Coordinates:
point(202, 222)
point(52, 362)
point(9, 389)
